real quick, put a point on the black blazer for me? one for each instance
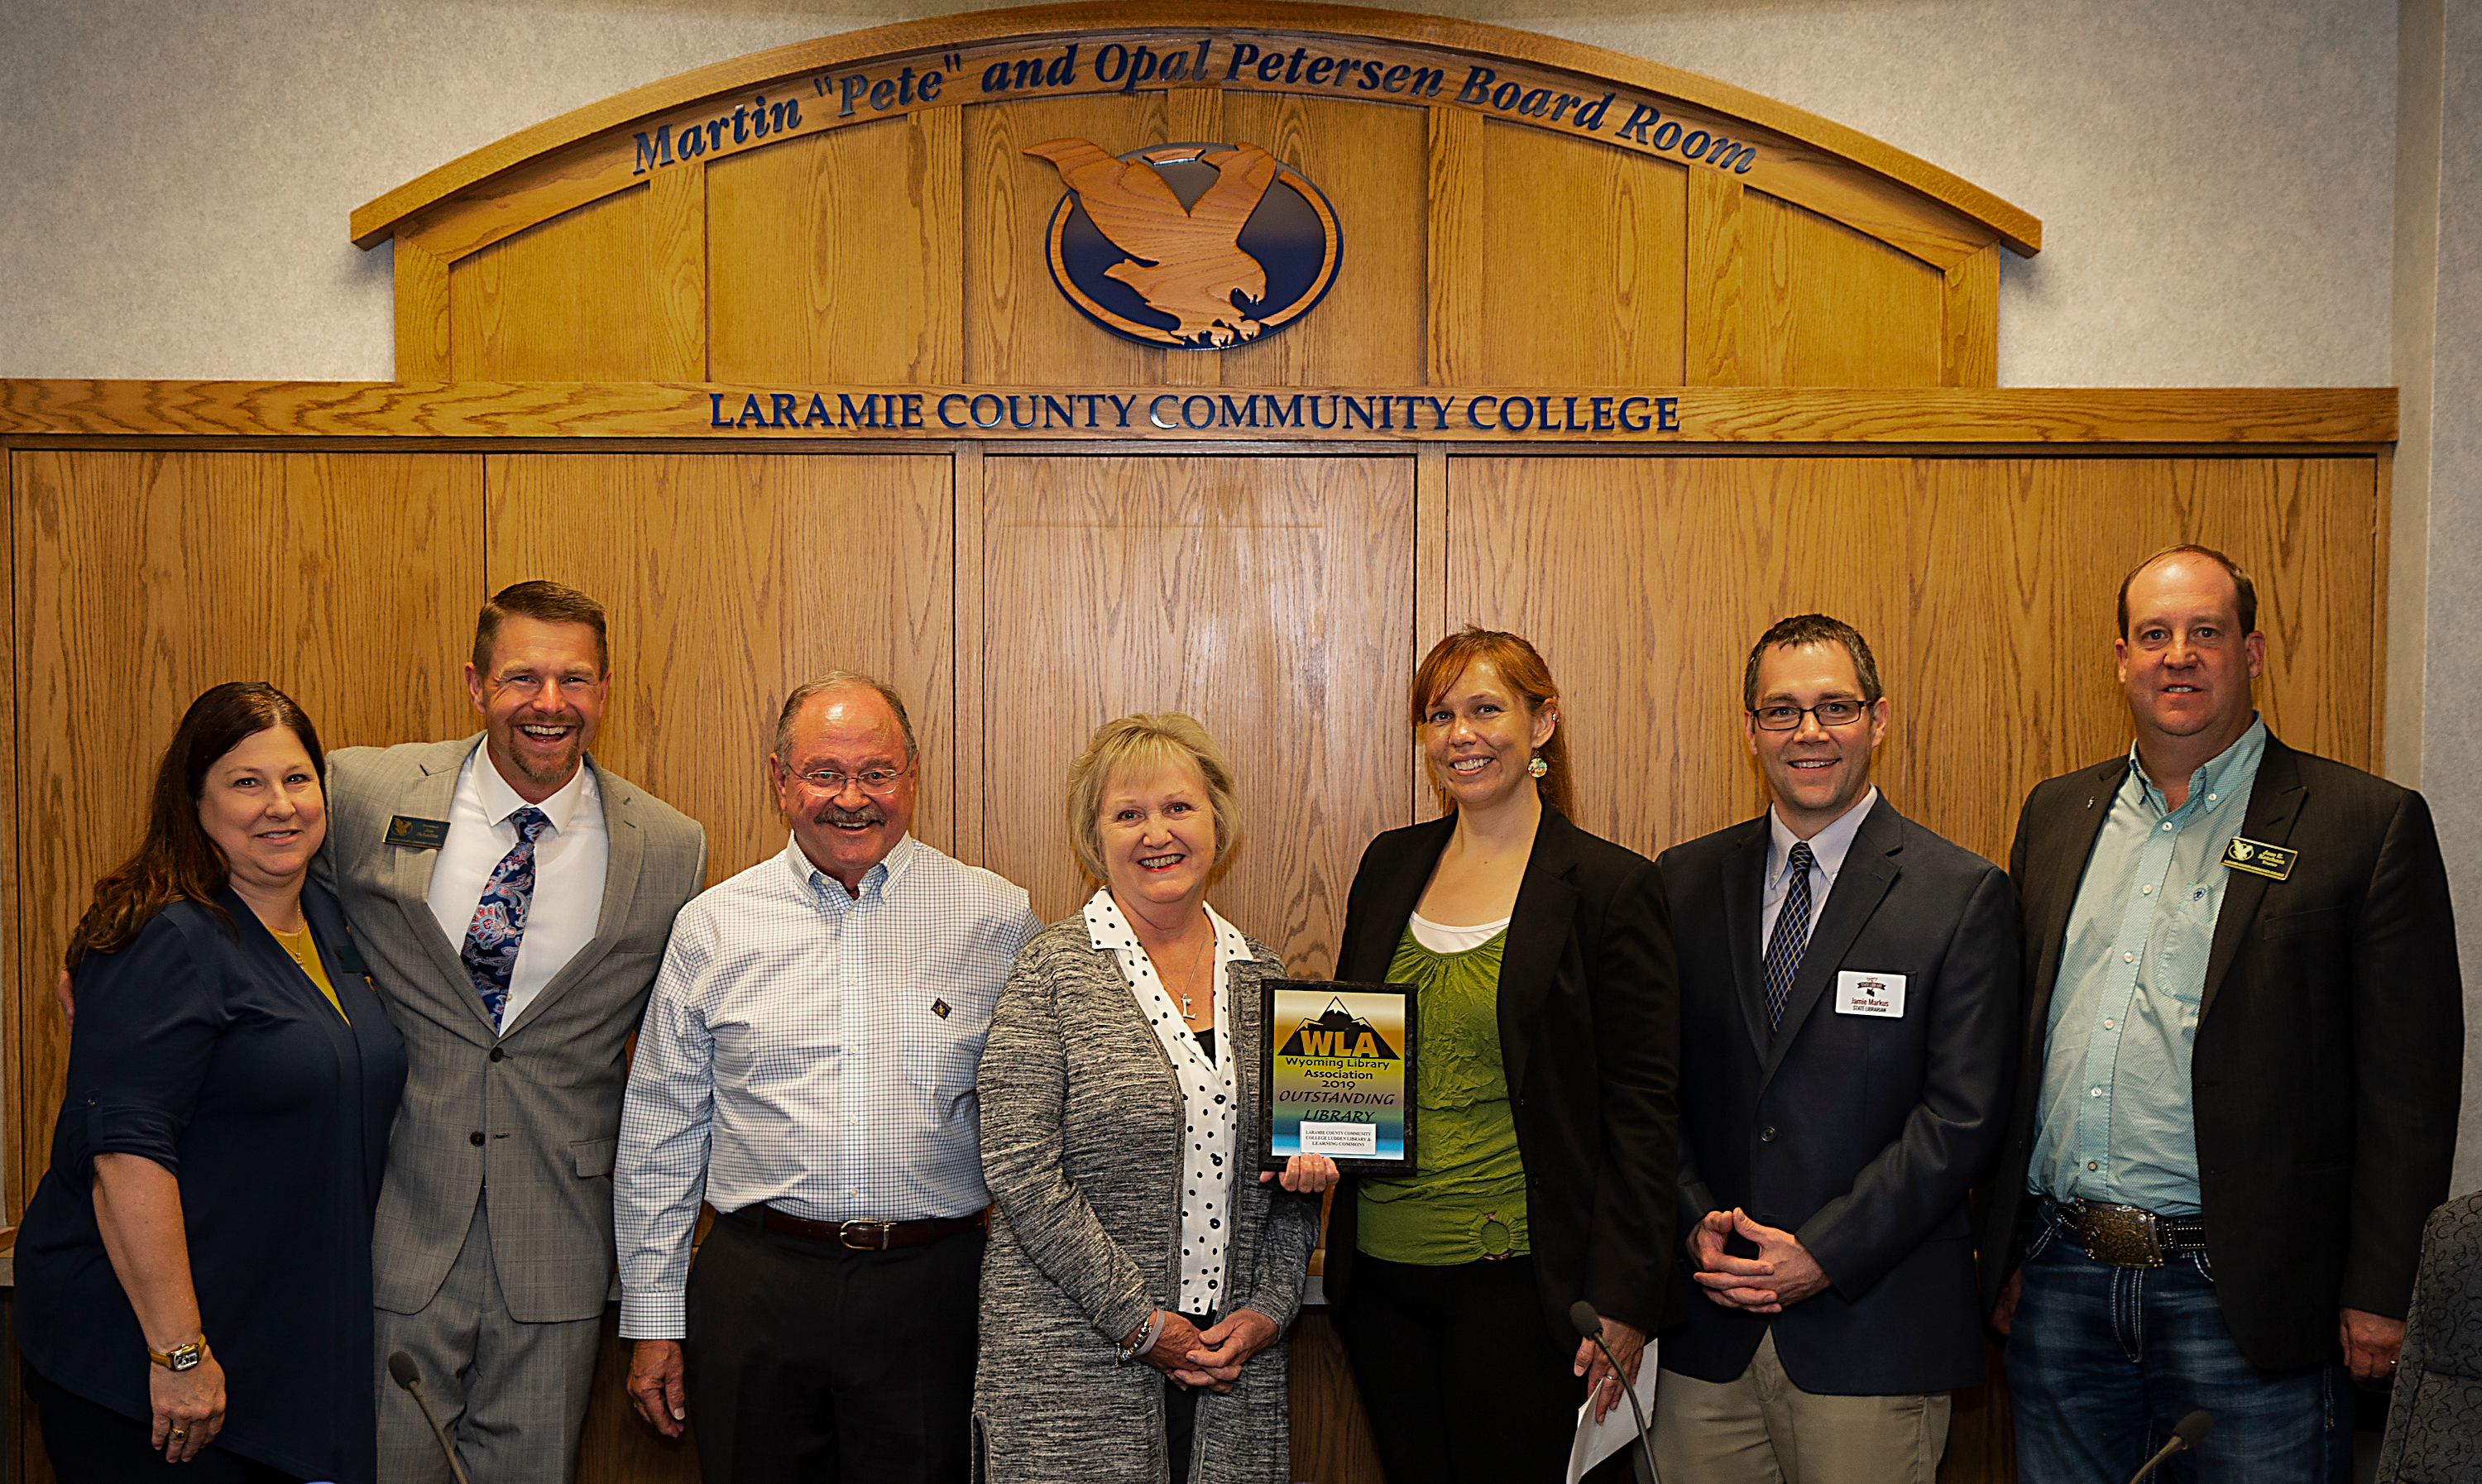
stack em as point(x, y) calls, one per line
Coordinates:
point(1860, 1135)
point(2329, 1055)
point(1589, 1034)
point(206, 1048)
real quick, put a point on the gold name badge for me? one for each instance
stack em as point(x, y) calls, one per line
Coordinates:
point(2273, 862)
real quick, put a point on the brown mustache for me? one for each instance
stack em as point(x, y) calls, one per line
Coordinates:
point(867, 814)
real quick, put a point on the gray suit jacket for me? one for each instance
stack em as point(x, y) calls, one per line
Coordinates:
point(534, 1111)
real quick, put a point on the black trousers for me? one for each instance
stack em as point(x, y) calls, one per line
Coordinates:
point(1463, 1380)
point(91, 1443)
point(806, 1360)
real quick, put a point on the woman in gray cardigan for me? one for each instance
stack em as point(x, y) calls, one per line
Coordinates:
point(1139, 1278)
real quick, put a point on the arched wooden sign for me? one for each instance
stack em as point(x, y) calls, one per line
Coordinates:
point(879, 234)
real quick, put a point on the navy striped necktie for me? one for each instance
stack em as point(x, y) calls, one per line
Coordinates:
point(1792, 935)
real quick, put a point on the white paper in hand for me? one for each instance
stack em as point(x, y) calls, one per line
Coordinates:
point(1618, 1430)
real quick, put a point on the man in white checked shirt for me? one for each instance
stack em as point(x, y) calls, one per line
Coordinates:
point(806, 1065)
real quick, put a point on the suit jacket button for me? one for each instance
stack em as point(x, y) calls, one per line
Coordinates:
point(495, 1054)
point(475, 1138)
point(1767, 1134)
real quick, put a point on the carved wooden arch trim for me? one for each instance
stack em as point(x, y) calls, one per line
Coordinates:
point(1485, 90)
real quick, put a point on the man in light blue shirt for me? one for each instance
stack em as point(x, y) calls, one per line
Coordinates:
point(2242, 1062)
point(806, 1066)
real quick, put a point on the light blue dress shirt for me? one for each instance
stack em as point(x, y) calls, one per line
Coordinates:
point(814, 1050)
point(2115, 1120)
point(1828, 849)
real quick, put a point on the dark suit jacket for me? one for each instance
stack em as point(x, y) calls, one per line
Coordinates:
point(1858, 1134)
point(2329, 1054)
point(1589, 1033)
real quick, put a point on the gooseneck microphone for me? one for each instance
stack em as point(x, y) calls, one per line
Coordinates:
point(2188, 1433)
point(1590, 1326)
point(402, 1371)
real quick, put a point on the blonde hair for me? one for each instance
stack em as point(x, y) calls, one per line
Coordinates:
point(1145, 740)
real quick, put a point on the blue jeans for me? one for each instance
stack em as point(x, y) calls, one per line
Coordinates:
point(2103, 1361)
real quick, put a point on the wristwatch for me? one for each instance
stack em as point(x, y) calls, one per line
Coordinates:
point(182, 1357)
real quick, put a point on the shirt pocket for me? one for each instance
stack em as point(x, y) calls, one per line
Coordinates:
point(942, 1058)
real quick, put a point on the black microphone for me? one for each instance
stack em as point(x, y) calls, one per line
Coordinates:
point(401, 1369)
point(2191, 1431)
point(1590, 1326)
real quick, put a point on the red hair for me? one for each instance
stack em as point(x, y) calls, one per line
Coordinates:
point(1521, 667)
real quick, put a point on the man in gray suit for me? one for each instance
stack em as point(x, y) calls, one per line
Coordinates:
point(512, 899)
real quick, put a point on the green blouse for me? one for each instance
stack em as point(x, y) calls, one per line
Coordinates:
point(1468, 1202)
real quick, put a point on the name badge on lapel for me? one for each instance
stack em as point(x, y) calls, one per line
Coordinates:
point(2273, 862)
point(1862, 993)
point(417, 834)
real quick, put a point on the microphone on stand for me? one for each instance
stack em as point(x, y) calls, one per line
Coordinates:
point(402, 1371)
point(1590, 1326)
point(2190, 1431)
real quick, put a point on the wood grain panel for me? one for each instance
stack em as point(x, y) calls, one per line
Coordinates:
point(1456, 246)
point(1986, 588)
point(1272, 599)
point(347, 580)
point(1837, 308)
point(1193, 115)
point(1368, 159)
point(1583, 262)
point(1332, 1442)
point(833, 259)
point(729, 579)
point(1970, 350)
point(1710, 329)
point(677, 269)
point(569, 299)
point(422, 343)
point(1017, 326)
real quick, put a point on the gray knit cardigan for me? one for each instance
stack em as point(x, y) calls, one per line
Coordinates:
point(1082, 1124)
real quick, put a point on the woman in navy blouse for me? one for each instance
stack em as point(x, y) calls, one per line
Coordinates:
point(193, 1273)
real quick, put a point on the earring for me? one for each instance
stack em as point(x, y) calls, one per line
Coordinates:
point(1537, 767)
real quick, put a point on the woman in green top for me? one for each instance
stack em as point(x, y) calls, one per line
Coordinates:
point(1548, 1140)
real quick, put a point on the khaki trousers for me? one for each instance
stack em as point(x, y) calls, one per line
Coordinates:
point(1762, 1429)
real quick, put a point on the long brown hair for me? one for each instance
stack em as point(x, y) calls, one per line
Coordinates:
point(1523, 668)
point(177, 862)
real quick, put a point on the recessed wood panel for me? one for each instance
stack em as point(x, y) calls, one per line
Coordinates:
point(833, 257)
point(1367, 159)
point(565, 300)
point(1019, 328)
point(1985, 587)
point(729, 580)
point(1825, 306)
point(1271, 598)
point(1583, 255)
point(350, 581)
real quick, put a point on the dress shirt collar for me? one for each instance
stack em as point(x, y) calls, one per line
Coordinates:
point(1829, 846)
point(499, 801)
point(887, 872)
point(2216, 779)
point(1108, 929)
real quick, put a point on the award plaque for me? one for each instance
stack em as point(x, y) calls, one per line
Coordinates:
point(1338, 1074)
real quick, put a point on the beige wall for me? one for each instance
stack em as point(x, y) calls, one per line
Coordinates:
point(2228, 194)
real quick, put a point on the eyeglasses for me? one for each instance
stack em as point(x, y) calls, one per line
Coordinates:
point(877, 782)
point(1840, 712)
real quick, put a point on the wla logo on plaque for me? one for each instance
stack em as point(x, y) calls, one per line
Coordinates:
point(1338, 1084)
point(1196, 246)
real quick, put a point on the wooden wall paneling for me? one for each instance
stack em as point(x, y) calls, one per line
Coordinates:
point(1271, 598)
point(731, 578)
point(677, 307)
point(2382, 521)
point(1019, 328)
point(1454, 246)
point(836, 257)
point(1643, 582)
point(1192, 115)
point(21, 1014)
point(1332, 1441)
point(972, 734)
point(349, 580)
point(1836, 307)
point(566, 300)
point(1368, 159)
point(1969, 351)
point(1430, 595)
point(1583, 261)
point(1712, 332)
point(422, 327)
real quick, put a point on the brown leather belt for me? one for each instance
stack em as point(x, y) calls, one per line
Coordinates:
point(866, 1235)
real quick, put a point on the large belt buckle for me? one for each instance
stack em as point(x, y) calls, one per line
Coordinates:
point(2122, 1234)
point(845, 1234)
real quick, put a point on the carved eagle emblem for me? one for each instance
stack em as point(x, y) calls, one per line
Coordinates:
point(1185, 261)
